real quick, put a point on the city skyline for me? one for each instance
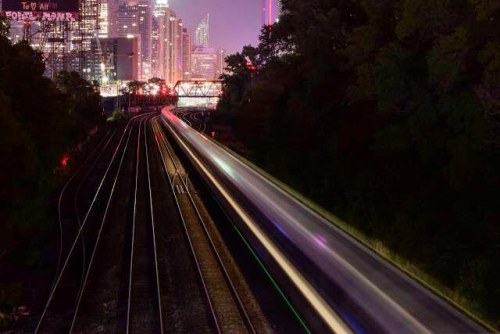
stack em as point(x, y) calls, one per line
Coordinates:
point(165, 33)
point(228, 29)
point(188, 41)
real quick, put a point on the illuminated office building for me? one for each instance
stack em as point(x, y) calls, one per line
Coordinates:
point(172, 49)
point(221, 63)
point(203, 58)
point(136, 20)
point(158, 39)
point(16, 31)
point(203, 64)
point(186, 55)
point(104, 20)
point(202, 33)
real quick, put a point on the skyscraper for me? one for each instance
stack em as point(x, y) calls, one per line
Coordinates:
point(104, 20)
point(89, 23)
point(136, 20)
point(158, 39)
point(144, 18)
point(221, 63)
point(202, 32)
point(16, 31)
point(172, 53)
point(266, 12)
point(203, 64)
point(186, 55)
point(203, 58)
point(120, 55)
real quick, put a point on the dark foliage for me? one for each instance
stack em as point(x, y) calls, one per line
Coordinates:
point(41, 120)
point(387, 112)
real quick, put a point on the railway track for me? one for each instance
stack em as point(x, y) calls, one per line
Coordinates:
point(61, 308)
point(121, 272)
point(145, 256)
point(228, 312)
point(195, 118)
point(144, 313)
point(70, 193)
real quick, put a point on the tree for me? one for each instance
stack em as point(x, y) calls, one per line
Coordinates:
point(4, 27)
point(85, 99)
point(41, 121)
point(393, 107)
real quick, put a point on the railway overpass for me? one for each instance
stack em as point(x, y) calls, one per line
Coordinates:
point(198, 93)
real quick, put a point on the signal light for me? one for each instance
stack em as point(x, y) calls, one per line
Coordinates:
point(64, 161)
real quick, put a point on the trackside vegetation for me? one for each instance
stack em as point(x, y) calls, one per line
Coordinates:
point(387, 113)
point(41, 121)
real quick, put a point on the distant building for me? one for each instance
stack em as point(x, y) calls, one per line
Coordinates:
point(119, 57)
point(203, 64)
point(136, 20)
point(186, 55)
point(203, 58)
point(158, 39)
point(266, 12)
point(89, 12)
point(202, 33)
point(221, 63)
point(172, 53)
point(170, 46)
point(269, 14)
point(65, 46)
point(145, 17)
point(16, 31)
point(104, 20)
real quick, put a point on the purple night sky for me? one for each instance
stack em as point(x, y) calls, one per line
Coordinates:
point(233, 23)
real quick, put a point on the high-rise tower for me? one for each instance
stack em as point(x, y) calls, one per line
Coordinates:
point(158, 39)
point(136, 20)
point(267, 12)
point(221, 63)
point(172, 53)
point(202, 32)
point(186, 54)
point(203, 58)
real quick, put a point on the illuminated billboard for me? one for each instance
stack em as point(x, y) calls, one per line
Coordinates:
point(55, 10)
point(40, 16)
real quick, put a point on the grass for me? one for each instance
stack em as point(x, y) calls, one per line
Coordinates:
point(115, 116)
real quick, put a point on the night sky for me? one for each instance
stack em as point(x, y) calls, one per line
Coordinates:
point(233, 23)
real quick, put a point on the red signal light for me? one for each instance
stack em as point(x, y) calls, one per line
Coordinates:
point(64, 161)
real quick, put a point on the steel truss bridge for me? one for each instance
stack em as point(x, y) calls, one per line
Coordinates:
point(198, 93)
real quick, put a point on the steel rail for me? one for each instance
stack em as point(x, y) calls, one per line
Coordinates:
point(70, 253)
point(77, 214)
point(158, 290)
point(185, 116)
point(204, 118)
point(223, 268)
point(59, 203)
point(200, 122)
point(104, 218)
point(188, 238)
point(131, 265)
point(227, 278)
point(142, 129)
